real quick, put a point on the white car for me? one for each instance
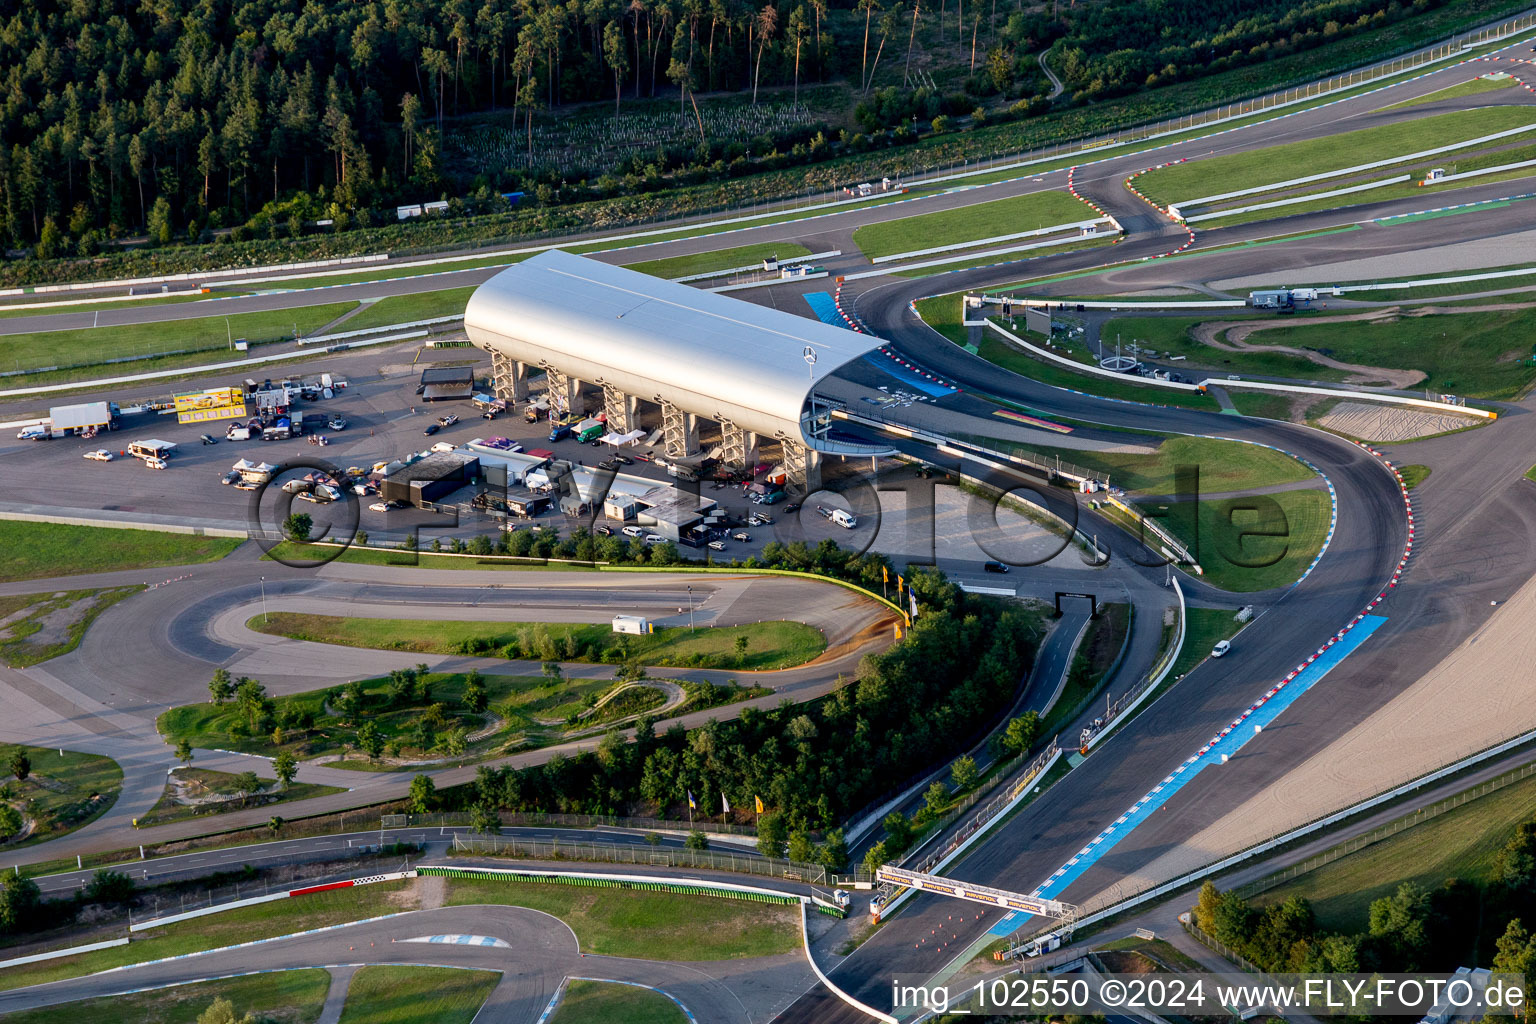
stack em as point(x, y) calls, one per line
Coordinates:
point(154, 462)
point(1221, 648)
point(379, 506)
point(654, 538)
point(717, 545)
point(100, 455)
point(337, 423)
point(633, 531)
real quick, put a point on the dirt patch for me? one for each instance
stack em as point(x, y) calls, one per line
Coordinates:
point(432, 891)
point(411, 896)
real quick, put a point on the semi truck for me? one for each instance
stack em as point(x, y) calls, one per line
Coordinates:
point(86, 419)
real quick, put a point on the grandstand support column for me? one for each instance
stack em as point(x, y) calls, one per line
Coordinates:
point(509, 378)
point(679, 431)
point(622, 409)
point(802, 466)
point(733, 448)
point(564, 390)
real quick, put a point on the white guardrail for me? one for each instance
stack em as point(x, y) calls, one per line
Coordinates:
point(1230, 384)
point(129, 282)
point(1292, 201)
point(1054, 229)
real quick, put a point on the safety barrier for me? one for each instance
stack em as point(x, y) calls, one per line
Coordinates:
point(308, 890)
point(1294, 200)
point(54, 954)
point(1053, 229)
point(1132, 699)
point(805, 939)
point(326, 339)
point(639, 883)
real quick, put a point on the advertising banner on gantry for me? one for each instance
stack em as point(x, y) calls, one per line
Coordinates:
point(210, 404)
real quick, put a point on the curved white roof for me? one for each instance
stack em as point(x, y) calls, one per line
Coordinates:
point(712, 355)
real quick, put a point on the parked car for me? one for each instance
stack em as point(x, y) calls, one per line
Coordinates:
point(654, 538)
point(207, 439)
point(633, 531)
point(247, 485)
point(154, 462)
point(608, 464)
point(994, 567)
point(336, 423)
point(432, 428)
point(448, 420)
point(1221, 648)
point(606, 531)
point(230, 478)
point(792, 507)
point(742, 536)
point(379, 506)
point(100, 455)
point(623, 460)
point(717, 545)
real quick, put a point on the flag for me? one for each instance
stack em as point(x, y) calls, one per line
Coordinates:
point(691, 805)
point(885, 574)
point(725, 805)
point(759, 804)
point(900, 583)
point(913, 600)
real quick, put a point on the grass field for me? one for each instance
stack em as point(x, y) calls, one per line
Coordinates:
point(652, 925)
point(209, 333)
point(1222, 465)
point(1463, 844)
point(43, 626)
point(1234, 557)
point(10, 308)
point(1481, 84)
point(285, 997)
point(1000, 353)
point(416, 995)
point(205, 783)
point(1183, 183)
point(1413, 475)
point(63, 792)
point(420, 559)
point(38, 550)
point(602, 1002)
point(1260, 404)
point(719, 259)
point(405, 309)
point(770, 645)
point(1022, 255)
point(968, 223)
point(1202, 628)
point(282, 917)
point(1483, 354)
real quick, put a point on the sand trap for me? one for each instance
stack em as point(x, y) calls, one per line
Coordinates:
point(1371, 422)
point(1481, 694)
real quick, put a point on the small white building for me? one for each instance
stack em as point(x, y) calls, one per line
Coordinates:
point(635, 625)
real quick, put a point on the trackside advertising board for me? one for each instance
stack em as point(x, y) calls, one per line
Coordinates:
point(210, 404)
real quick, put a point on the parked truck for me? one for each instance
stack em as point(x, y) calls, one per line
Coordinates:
point(589, 429)
point(86, 419)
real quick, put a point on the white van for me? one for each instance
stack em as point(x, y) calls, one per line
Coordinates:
point(633, 531)
point(844, 519)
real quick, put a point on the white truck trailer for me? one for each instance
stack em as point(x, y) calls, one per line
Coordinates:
point(87, 418)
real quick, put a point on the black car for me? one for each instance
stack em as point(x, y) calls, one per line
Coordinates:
point(432, 428)
point(606, 531)
point(209, 439)
point(792, 507)
point(994, 567)
point(608, 464)
point(623, 460)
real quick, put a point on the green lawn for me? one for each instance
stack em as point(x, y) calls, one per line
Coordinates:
point(1413, 475)
point(1000, 353)
point(603, 1002)
point(204, 783)
point(652, 925)
point(1202, 628)
point(405, 309)
point(521, 701)
point(1198, 178)
point(1260, 404)
point(719, 259)
point(770, 645)
point(1222, 465)
point(210, 333)
point(63, 792)
point(1463, 843)
point(1477, 85)
point(1481, 354)
point(416, 995)
point(1298, 519)
point(36, 550)
point(262, 921)
point(1022, 254)
point(285, 997)
point(9, 308)
point(968, 223)
point(48, 625)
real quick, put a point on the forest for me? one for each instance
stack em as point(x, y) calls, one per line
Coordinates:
point(191, 120)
